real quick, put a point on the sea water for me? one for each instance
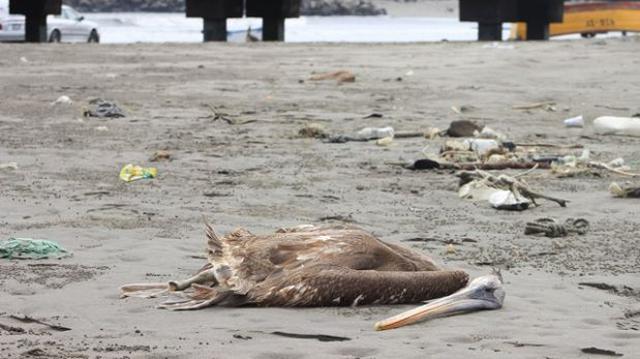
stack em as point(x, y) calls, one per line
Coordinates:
point(175, 27)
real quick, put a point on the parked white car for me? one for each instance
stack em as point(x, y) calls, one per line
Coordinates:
point(69, 26)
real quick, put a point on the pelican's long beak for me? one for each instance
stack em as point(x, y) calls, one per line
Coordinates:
point(477, 296)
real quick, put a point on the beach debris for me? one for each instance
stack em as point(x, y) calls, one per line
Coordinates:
point(508, 200)
point(610, 125)
point(624, 192)
point(130, 173)
point(551, 228)
point(161, 155)
point(498, 45)
point(575, 122)
point(545, 105)
point(27, 319)
point(9, 166)
point(432, 133)
point(373, 115)
point(598, 351)
point(62, 100)
point(313, 130)
point(463, 109)
point(12, 329)
point(366, 134)
point(479, 184)
point(102, 128)
point(340, 76)
point(463, 128)
point(386, 141)
point(319, 337)
point(27, 248)
point(104, 109)
point(374, 133)
point(488, 132)
point(572, 166)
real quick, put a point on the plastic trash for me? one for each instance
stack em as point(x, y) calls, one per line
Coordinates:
point(9, 166)
point(489, 133)
point(27, 248)
point(384, 141)
point(130, 173)
point(62, 100)
point(482, 146)
point(374, 133)
point(506, 200)
point(104, 109)
point(609, 125)
point(577, 122)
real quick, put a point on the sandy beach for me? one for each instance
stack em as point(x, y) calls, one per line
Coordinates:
point(254, 171)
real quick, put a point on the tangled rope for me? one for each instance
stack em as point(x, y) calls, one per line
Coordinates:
point(551, 228)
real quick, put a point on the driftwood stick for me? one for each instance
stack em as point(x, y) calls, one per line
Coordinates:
point(503, 166)
point(548, 145)
point(614, 170)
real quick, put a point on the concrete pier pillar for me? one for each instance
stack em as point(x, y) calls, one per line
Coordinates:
point(273, 29)
point(489, 31)
point(35, 12)
point(214, 30)
point(537, 30)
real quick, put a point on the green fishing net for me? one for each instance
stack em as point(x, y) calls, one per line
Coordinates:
point(26, 248)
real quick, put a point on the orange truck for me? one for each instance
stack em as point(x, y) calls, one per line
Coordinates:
point(591, 18)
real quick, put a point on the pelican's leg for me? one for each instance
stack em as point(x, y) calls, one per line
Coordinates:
point(144, 290)
point(201, 297)
point(200, 278)
point(152, 290)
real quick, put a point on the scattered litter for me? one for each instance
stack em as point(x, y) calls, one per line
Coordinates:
point(508, 200)
point(598, 351)
point(384, 141)
point(409, 73)
point(552, 228)
point(27, 319)
point(9, 166)
point(463, 109)
point(374, 115)
point(104, 109)
point(576, 122)
point(339, 76)
point(319, 337)
point(498, 45)
point(313, 130)
point(547, 106)
point(130, 173)
point(161, 155)
point(27, 248)
point(479, 185)
point(62, 100)
point(374, 133)
point(609, 125)
point(463, 128)
point(482, 146)
point(432, 133)
point(489, 133)
point(24, 60)
point(624, 192)
point(102, 129)
point(12, 329)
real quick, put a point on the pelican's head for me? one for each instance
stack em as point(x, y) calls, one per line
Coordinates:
point(484, 292)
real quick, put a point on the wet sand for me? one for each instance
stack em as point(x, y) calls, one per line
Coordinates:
point(258, 173)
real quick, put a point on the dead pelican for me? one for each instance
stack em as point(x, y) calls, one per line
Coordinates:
point(310, 266)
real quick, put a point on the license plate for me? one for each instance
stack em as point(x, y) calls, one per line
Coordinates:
point(16, 27)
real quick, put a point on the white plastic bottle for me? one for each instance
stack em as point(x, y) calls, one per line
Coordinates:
point(609, 125)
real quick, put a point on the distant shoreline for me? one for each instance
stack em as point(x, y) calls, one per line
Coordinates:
point(417, 8)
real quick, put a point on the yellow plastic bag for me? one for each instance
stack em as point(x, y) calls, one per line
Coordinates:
point(130, 173)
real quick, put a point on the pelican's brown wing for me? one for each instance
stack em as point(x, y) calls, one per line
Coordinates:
point(339, 286)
